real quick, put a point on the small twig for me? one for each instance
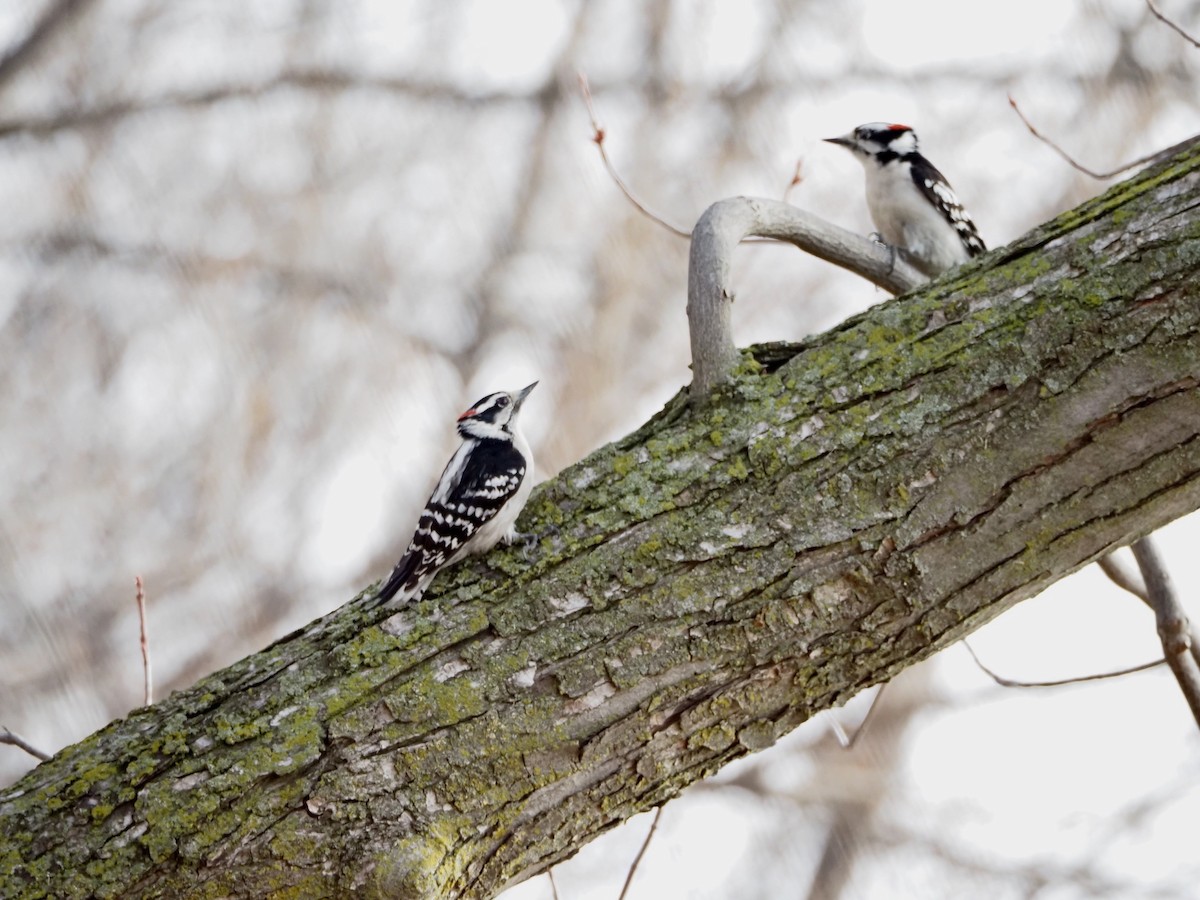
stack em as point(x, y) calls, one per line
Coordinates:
point(1008, 682)
point(839, 733)
point(7, 737)
point(553, 886)
point(641, 853)
point(1100, 176)
point(1170, 24)
point(1057, 149)
point(598, 135)
point(1173, 628)
point(847, 742)
point(797, 178)
point(147, 684)
point(1127, 581)
point(1121, 577)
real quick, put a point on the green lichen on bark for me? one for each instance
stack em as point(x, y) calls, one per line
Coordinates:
point(843, 508)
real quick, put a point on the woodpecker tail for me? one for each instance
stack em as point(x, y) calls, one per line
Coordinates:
point(403, 581)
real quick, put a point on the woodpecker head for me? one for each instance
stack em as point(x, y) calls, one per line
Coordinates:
point(878, 141)
point(494, 416)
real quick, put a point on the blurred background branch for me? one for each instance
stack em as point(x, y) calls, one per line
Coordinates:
point(53, 18)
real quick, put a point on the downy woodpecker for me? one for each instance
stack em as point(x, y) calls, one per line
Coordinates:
point(911, 202)
point(482, 490)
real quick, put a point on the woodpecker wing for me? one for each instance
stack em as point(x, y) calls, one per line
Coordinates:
point(479, 479)
point(941, 196)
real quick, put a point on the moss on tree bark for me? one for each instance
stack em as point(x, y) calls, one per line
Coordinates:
point(841, 510)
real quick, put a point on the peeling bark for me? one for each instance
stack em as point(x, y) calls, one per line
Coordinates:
point(840, 510)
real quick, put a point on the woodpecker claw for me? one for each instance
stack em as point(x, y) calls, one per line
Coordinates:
point(527, 539)
point(891, 248)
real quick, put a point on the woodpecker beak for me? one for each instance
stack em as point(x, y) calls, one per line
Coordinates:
point(844, 141)
point(519, 396)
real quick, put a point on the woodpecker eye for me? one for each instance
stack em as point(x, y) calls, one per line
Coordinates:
point(502, 402)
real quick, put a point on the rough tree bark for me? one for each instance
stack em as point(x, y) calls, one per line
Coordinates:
point(841, 509)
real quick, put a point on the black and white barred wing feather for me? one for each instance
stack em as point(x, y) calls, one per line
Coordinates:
point(937, 191)
point(468, 513)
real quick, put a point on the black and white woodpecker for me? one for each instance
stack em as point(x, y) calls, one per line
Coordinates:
point(476, 502)
point(911, 202)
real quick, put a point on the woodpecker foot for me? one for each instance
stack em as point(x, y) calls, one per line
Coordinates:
point(529, 539)
point(891, 248)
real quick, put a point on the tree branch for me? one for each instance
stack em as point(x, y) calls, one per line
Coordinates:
point(1171, 24)
point(598, 136)
point(1127, 581)
point(710, 296)
point(637, 860)
point(832, 516)
point(1173, 629)
point(1059, 682)
point(319, 81)
point(15, 740)
point(144, 640)
point(1148, 159)
point(56, 15)
point(1123, 579)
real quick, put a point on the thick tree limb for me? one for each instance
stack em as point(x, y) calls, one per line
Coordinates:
point(836, 512)
point(710, 296)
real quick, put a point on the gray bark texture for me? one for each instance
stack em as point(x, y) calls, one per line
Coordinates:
point(837, 511)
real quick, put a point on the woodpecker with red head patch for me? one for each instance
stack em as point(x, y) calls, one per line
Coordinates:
point(476, 502)
point(911, 202)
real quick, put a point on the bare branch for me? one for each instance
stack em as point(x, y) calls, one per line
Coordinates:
point(1173, 629)
point(553, 886)
point(722, 227)
point(845, 741)
point(297, 283)
point(1127, 581)
point(598, 135)
point(1121, 577)
point(1008, 682)
point(322, 81)
point(55, 15)
point(8, 737)
point(637, 859)
point(1101, 176)
point(147, 684)
point(1170, 24)
point(797, 178)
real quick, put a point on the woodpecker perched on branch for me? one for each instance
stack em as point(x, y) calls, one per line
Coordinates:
point(482, 490)
point(911, 202)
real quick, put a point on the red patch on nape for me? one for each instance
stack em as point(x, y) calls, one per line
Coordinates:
point(470, 412)
point(898, 127)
